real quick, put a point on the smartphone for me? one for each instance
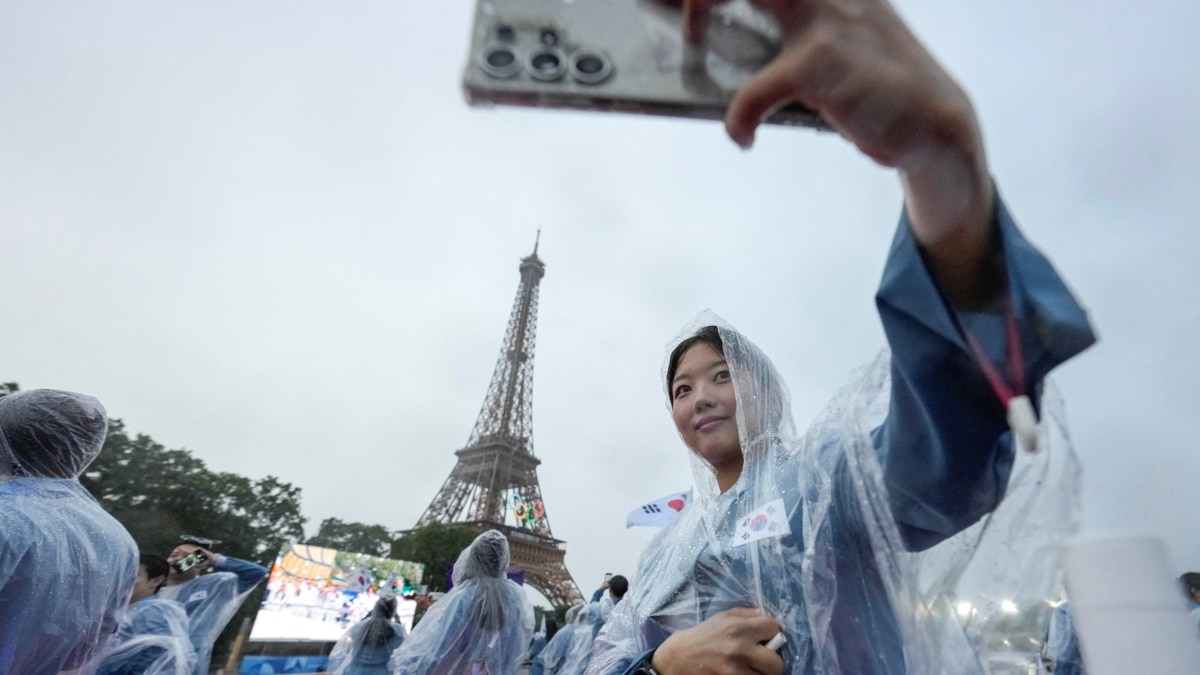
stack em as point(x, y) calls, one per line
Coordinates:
point(607, 577)
point(189, 561)
point(618, 56)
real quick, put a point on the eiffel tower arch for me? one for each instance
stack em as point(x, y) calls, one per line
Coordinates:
point(495, 478)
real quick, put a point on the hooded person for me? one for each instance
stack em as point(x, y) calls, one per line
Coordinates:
point(211, 587)
point(571, 649)
point(152, 639)
point(66, 566)
point(556, 645)
point(836, 551)
point(367, 646)
point(540, 640)
point(811, 537)
point(482, 625)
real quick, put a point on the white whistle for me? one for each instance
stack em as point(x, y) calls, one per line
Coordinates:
point(1023, 422)
point(776, 643)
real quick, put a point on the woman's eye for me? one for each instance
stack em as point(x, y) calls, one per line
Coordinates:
point(680, 391)
point(723, 375)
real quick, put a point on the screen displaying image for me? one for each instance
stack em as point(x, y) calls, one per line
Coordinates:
point(316, 593)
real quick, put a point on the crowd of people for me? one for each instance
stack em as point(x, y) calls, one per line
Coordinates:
point(74, 593)
point(793, 557)
point(325, 603)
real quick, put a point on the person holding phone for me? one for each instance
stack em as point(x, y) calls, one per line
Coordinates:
point(796, 557)
point(211, 587)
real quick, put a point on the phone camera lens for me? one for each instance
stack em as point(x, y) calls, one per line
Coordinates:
point(549, 37)
point(506, 34)
point(501, 61)
point(547, 64)
point(589, 67)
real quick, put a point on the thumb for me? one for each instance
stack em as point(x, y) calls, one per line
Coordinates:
point(769, 88)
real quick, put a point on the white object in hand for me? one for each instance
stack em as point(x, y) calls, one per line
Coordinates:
point(1023, 422)
point(776, 642)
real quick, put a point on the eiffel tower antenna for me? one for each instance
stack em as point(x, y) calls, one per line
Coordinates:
point(494, 484)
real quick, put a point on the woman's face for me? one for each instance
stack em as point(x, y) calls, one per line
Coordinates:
point(704, 407)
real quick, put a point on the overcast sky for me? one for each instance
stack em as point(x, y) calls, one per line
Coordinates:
point(274, 234)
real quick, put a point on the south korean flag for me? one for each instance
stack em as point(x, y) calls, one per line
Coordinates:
point(658, 512)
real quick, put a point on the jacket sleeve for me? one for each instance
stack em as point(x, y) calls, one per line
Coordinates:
point(945, 446)
point(248, 573)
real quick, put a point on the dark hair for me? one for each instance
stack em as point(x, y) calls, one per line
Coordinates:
point(1191, 583)
point(708, 335)
point(618, 586)
point(156, 567)
point(551, 628)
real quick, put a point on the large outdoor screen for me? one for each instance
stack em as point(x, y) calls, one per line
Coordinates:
point(316, 593)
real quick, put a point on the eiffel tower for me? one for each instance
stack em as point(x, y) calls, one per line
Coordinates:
point(494, 484)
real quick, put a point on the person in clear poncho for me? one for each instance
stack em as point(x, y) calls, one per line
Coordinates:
point(152, 639)
point(571, 649)
point(367, 646)
point(211, 592)
point(483, 625)
point(814, 537)
point(538, 665)
point(66, 566)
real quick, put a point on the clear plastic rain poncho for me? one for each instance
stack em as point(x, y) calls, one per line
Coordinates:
point(807, 534)
point(483, 625)
point(211, 600)
point(367, 646)
point(571, 649)
point(151, 640)
point(66, 566)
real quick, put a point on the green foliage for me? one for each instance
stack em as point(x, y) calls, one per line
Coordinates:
point(159, 494)
point(373, 540)
point(436, 546)
point(7, 388)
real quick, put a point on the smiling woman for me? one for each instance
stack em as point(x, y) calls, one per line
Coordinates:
point(813, 537)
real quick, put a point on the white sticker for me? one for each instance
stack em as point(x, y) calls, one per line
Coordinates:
point(197, 596)
point(768, 520)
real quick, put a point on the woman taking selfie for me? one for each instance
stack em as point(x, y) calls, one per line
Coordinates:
point(796, 555)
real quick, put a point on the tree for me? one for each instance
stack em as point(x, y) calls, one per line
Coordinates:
point(159, 494)
point(7, 388)
point(437, 547)
point(373, 540)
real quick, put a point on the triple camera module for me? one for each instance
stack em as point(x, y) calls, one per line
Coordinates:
point(545, 61)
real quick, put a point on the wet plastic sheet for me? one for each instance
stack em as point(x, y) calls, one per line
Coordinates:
point(571, 649)
point(807, 535)
point(66, 566)
point(484, 624)
point(367, 646)
point(152, 640)
point(211, 600)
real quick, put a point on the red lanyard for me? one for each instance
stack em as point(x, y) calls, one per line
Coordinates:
point(1021, 417)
